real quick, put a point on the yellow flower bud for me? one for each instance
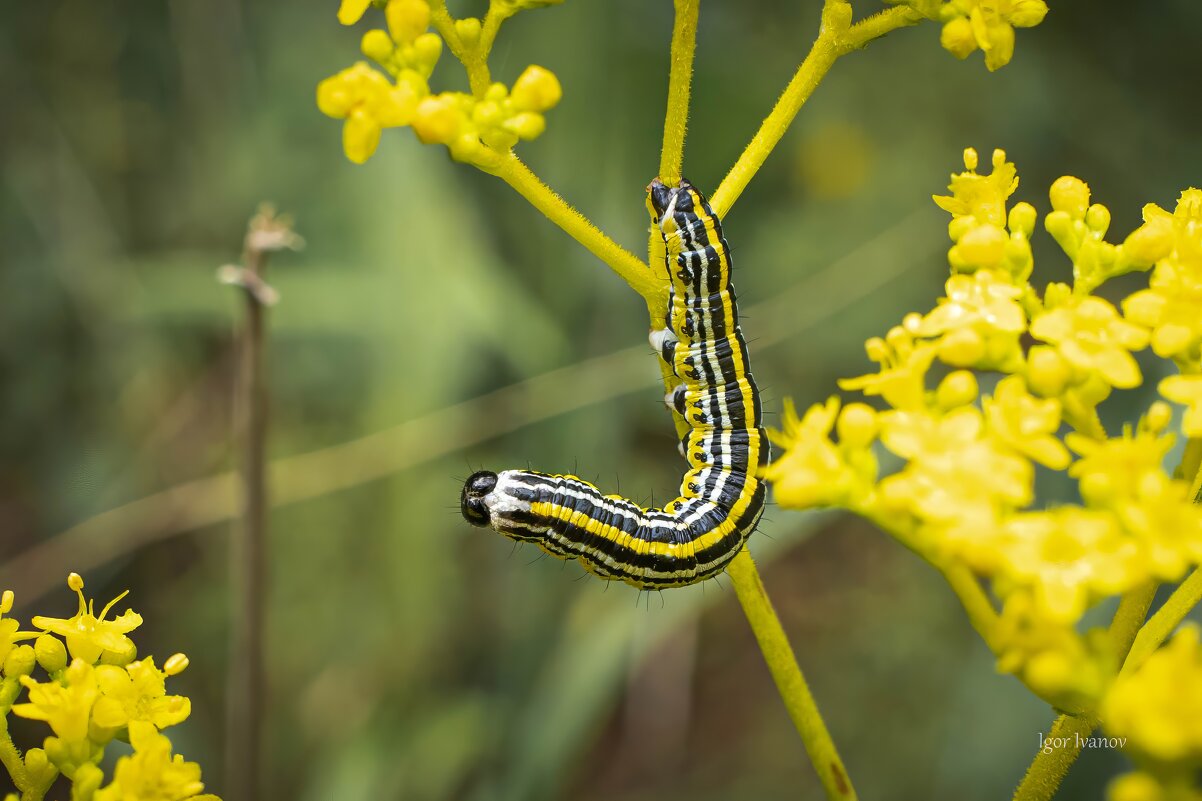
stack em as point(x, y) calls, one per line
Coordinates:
point(527, 125)
point(1027, 13)
point(468, 30)
point(20, 661)
point(1022, 219)
point(857, 425)
point(175, 664)
point(958, 388)
point(360, 136)
point(1097, 218)
point(407, 19)
point(50, 652)
point(959, 226)
point(1070, 195)
point(376, 44)
point(1047, 372)
point(427, 48)
point(962, 347)
point(488, 113)
point(536, 89)
point(6, 602)
point(983, 246)
point(75, 582)
point(437, 119)
point(1159, 415)
point(466, 147)
point(957, 38)
point(912, 323)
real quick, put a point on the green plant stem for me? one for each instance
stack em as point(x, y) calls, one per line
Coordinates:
point(790, 682)
point(11, 757)
point(514, 172)
point(835, 39)
point(977, 605)
point(1129, 618)
point(1158, 628)
point(1050, 767)
point(680, 76)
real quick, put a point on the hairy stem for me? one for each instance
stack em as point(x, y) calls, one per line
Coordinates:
point(512, 171)
point(10, 756)
point(790, 682)
point(835, 39)
point(680, 76)
point(1051, 765)
point(1158, 628)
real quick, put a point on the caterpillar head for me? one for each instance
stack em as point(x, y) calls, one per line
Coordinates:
point(471, 500)
point(663, 201)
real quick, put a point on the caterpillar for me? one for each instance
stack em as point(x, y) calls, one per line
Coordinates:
point(694, 536)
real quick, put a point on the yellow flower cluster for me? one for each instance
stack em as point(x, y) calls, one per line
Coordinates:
point(964, 493)
point(986, 25)
point(1156, 711)
point(96, 690)
point(475, 127)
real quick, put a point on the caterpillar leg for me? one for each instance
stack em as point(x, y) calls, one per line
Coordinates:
point(663, 341)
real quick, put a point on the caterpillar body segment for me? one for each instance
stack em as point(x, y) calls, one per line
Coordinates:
point(694, 536)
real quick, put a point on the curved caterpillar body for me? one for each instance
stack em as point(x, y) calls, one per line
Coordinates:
point(721, 498)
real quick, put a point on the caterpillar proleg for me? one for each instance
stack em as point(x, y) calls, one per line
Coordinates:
point(694, 536)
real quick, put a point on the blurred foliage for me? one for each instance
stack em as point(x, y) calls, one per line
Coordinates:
point(412, 657)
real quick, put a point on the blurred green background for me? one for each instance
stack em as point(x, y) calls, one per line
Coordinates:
point(410, 656)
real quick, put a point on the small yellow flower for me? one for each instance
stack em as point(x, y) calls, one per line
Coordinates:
point(901, 380)
point(1158, 707)
point(89, 637)
point(137, 692)
point(66, 707)
point(1026, 423)
point(1172, 304)
point(956, 480)
point(1186, 389)
point(979, 322)
point(1069, 558)
point(369, 102)
point(1089, 333)
point(1110, 471)
point(813, 471)
point(988, 25)
point(536, 89)
point(1167, 526)
point(151, 773)
point(1051, 658)
point(979, 199)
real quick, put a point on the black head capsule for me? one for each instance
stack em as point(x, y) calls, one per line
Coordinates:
point(471, 501)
